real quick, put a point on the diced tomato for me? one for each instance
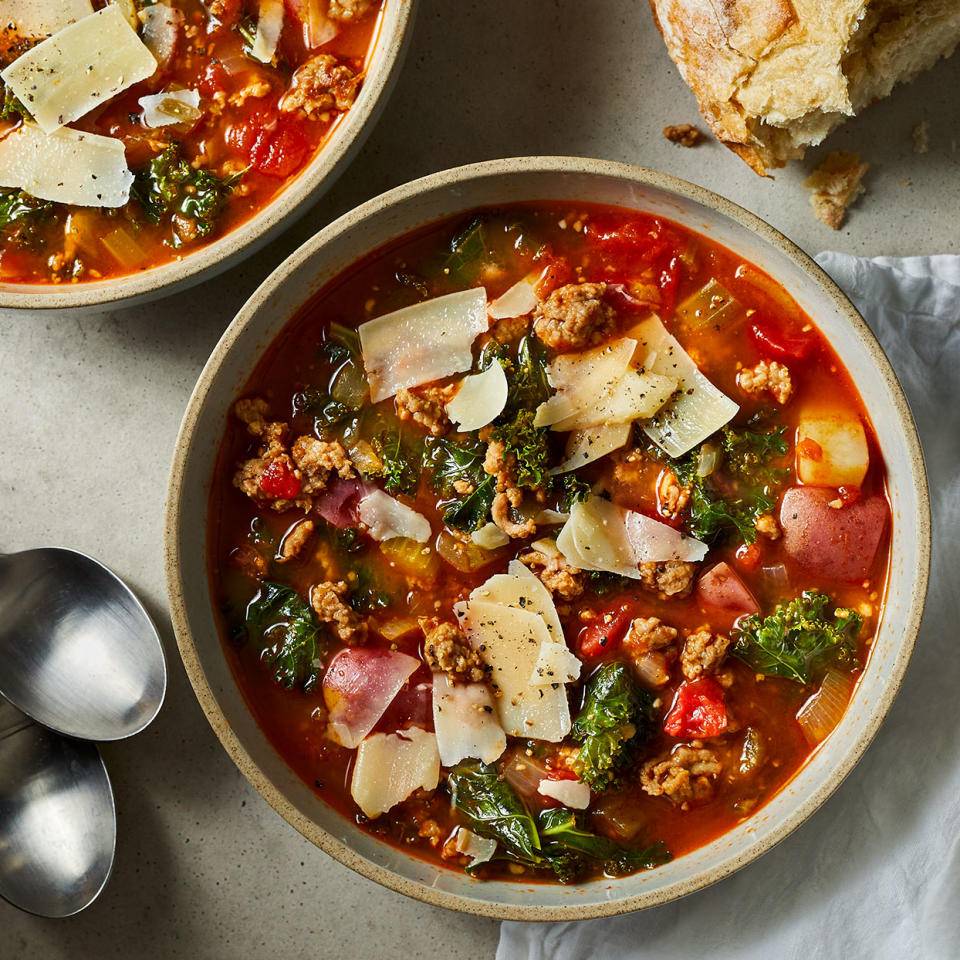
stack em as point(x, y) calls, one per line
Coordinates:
point(775, 341)
point(698, 710)
point(809, 448)
point(279, 481)
point(556, 273)
point(748, 556)
point(606, 633)
point(280, 150)
point(228, 13)
point(213, 79)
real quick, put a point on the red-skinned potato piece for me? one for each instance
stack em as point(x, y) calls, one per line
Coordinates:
point(840, 543)
point(722, 590)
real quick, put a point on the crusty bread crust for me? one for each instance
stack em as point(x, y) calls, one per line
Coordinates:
point(773, 77)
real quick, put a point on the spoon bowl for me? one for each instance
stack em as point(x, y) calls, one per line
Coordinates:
point(58, 827)
point(78, 653)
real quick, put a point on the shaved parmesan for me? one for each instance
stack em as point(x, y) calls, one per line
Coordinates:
point(571, 793)
point(422, 343)
point(129, 10)
point(388, 519)
point(698, 409)
point(480, 398)
point(585, 446)
point(489, 537)
point(465, 721)
point(80, 67)
point(390, 766)
point(41, 18)
point(550, 518)
point(478, 849)
point(656, 541)
point(161, 28)
point(637, 395)
point(556, 664)
point(269, 25)
point(68, 166)
point(521, 589)
point(171, 106)
point(546, 546)
point(509, 641)
point(580, 379)
point(518, 301)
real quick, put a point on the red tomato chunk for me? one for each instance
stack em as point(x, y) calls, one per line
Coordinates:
point(698, 710)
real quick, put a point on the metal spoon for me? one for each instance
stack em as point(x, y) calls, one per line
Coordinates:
point(78, 653)
point(58, 827)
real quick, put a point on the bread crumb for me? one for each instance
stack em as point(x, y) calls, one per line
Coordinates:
point(921, 137)
point(835, 185)
point(686, 134)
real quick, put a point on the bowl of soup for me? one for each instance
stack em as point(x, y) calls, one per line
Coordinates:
point(146, 147)
point(547, 538)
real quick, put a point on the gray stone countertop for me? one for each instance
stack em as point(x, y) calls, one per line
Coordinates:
point(91, 407)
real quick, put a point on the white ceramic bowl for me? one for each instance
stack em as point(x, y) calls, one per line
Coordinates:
point(391, 216)
point(393, 34)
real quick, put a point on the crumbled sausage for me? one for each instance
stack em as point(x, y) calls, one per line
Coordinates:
point(326, 598)
point(297, 537)
point(510, 329)
point(703, 652)
point(652, 645)
point(348, 9)
point(766, 525)
point(668, 578)
point(684, 775)
point(431, 832)
point(498, 463)
point(671, 497)
point(769, 376)
point(323, 83)
point(317, 459)
point(255, 90)
point(447, 650)
point(426, 406)
point(562, 579)
point(686, 134)
point(574, 317)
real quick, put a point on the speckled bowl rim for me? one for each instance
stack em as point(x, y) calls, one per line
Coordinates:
point(340, 851)
point(395, 29)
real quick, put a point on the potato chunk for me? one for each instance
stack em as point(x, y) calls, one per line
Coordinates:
point(832, 451)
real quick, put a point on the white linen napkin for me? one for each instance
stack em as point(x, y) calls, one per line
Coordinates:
point(875, 873)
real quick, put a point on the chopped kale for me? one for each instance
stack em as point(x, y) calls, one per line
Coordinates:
point(602, 582)
point(451, 463)
point(467, 252)
point(16, 206)
point(615, 719)
point(12, 109)
point(367, 592)
point(748, 455)
point(317, 402)
point(291, 639)
point(571, 489)
point(799, 639)
point(527, 376)
point(401, 462)
point(529, 446)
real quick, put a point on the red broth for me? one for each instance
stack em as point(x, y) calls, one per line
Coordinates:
point(245, 144)
point(763, 745)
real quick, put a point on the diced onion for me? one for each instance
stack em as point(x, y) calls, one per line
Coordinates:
point(524, 774)
point(123, 247)
point(824, 710)
point(465, 557)
point(365, 458)
point(713, 305)
point(550, 518)
point(518, 301)
point(480, 398)
point(171, 106)
point(709, 459)
point(776, 578)
point(399, 627)
point(546, 546)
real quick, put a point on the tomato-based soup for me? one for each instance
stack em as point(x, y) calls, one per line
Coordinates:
point(232, 113)
point(566, 565)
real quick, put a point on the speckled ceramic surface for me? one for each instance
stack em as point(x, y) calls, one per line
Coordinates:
point(393, 33)
point(388, 217)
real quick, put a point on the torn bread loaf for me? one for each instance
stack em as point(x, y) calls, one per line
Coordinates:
point(774, 77)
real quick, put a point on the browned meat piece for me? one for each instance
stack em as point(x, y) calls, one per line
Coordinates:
point(686, 134)
point(766, 525)
point(447, 650)
point(559, 577)
point(652, 646)
point(510, 329)
point(497, 463)
point(295, 540)
point(322, 84)
point(574, 317)
point(668, 578)
point(316, 460)
point(426, 406)
point(670, 495)
point(703, 652)
point(346, 10)
point(836, 183)
point(327, 601)
point(767, 376)
point(685, 775)
point(253, 413)
point(249, 562)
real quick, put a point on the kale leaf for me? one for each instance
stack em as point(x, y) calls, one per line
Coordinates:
point(401, 462)
point(492, 808)
point(799, 638)
point(449, 463)
point(529, 447)
point(11, 108)
point(367, 592)
point(17, 205)
point(527, 377)
point(289, 634)
point(748, 455)
point(615, 719)
point(467, 252)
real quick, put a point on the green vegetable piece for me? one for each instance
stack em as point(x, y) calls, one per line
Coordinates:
point(748, 455)
point(367, 592)
point(615, 719)
point(799, 639)
point(17, 206)
point(289, 634)
point(449, 463)
point(491, 808)
point(12, 109)
point(529, 446)
point(402, 462)
point(467, 252)
point(527, 377)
